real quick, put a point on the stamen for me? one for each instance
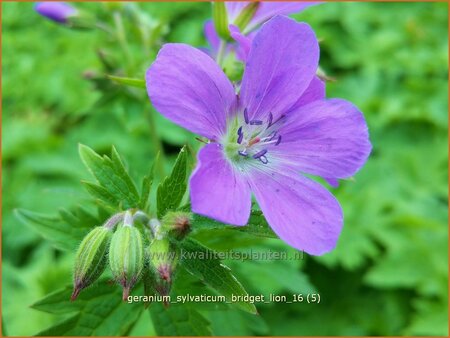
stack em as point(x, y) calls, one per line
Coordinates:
point(260, 153)
point(242, 153)
point(278, 141)
point(256, 122)
point(240, 135)
point(246, 116)
point(264, 159)
point(271, 136)
point(269, 123)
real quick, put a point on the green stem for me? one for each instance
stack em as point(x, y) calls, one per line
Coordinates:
point(157, 143)
point(122, 38)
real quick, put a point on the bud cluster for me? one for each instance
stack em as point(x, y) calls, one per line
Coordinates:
point(121, 244)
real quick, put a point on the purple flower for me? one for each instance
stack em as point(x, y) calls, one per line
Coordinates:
point(264, 12)
point(55, 11)
point(278, 125)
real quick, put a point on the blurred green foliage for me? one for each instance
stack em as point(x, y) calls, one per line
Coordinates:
point(389, 272)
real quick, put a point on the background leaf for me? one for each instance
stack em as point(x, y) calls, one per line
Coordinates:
point(179, 320)
point(100, 312)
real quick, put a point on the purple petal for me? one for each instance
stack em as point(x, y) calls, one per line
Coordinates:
point(314, 92)
point(56, 11)
point(234, 8)
point(243, 42)
point(268, 9)
point(300, 211)
point(334, 182)
point(281, 64)
point(328, 138)
point(188, 87)
point(211, 35)
point(218, 190)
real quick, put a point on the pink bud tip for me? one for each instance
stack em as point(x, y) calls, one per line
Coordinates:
point(126, 293)
point(75, 293)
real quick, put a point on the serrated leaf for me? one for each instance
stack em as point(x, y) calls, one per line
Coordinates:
point(257, 225)
point(101, 194)
point(200, 261)
point(64, 231)
point(112, 177)
point(147, 185)
point(128, 81)
point(99, 311)
point(179, 320)
point(171, 191)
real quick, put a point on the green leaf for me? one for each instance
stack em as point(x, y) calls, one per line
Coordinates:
point(257, 225)
point(64, 231)
point(98, 311)
point(430, 319)
point(179, 320)
point(128, 81)
point(147, 184)
point(118, 190)
point(200, 261)
point(102, 195)
point(171, 190)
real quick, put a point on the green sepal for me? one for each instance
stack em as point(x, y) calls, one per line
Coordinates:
point(128, 81)
point(126, 257)
point(90, 261)
point(177, 224)
point(220, 19)
point(246, 15)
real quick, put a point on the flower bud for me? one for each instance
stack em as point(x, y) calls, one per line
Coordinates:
point(65, 14)
point(126, 257)
point(177, 224)
point(56, 11)
point(90, 259)
point(162, 257)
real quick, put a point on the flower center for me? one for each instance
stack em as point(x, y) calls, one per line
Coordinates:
point(252, 139)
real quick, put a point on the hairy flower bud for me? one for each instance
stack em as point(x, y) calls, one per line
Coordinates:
point(126, 257)
point(90, 259)
point(162, 259)
point(177, 224)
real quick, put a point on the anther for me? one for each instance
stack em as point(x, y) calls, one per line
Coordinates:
point(269, 123)
point(240, 135)
point(246, 116)
point(260, 153)
point(242, 153)
point(264, 159)
point(256, 122)
point(278, 141)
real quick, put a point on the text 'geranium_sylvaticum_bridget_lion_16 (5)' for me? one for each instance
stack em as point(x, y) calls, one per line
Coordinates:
point(263, 135)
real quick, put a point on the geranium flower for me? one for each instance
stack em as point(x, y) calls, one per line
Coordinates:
point(278, 125)
point(56, 11)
